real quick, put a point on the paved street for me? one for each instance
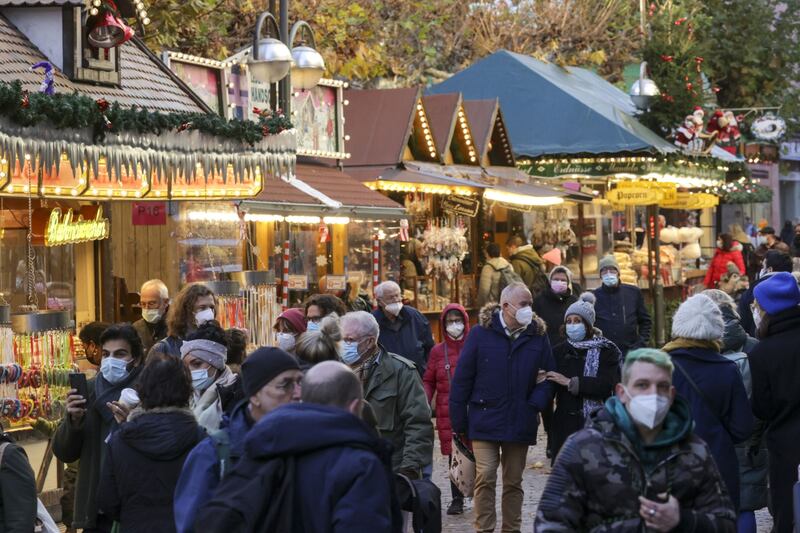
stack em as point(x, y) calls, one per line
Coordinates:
point(534, 481)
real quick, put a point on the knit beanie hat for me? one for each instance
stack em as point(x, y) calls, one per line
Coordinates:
point(296, 318)
point(262, 366)
point(608, 261)
point(213, 353)
point(584, 308)
point(777, 293)
point(698, 318)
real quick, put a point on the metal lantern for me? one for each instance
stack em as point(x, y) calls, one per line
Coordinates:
point(309, 66)
point(643, 90)
point(271, 59)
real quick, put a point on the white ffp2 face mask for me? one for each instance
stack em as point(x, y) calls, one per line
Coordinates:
point(524, 315)
point(394, 308)
point(648, 410)
point(455, 330)
point(201, 317)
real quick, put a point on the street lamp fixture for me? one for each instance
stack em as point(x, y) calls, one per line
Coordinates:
point(271, 59)
point(308, 63)
point(644, 90)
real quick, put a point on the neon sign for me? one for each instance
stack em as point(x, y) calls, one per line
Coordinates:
point(69, 230)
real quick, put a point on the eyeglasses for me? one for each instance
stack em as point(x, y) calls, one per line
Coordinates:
point(289, 386)
point(154, 304)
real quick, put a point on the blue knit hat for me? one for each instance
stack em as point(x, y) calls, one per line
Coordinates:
point(777, 293)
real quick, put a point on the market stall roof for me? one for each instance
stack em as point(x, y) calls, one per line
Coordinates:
point(552, 110)
point(486, 123)
point(442, 110)
point(146, 81)
point(406, 175)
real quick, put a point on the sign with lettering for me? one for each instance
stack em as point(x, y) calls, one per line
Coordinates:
point(635, 166)
point(335, 283)
point(298, 282)
point(461, 205)
point(66, 228)
point(633, 196)
point(687, 200)
point(149, 213)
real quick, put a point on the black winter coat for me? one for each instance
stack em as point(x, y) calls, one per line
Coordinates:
point(409, 336)
point(622, 316)
point(17, 489)
point(551, 308)
point(568, 417)
point(142, 468)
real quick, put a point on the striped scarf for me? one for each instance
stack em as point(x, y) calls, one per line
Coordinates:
point(593, 347)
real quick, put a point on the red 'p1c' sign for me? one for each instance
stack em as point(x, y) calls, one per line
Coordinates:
point(149, 213)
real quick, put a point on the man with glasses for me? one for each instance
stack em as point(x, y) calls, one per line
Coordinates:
point(154, 302)
point(393, 390)
point(270, 378)
point(321, 305)
point(403, 330)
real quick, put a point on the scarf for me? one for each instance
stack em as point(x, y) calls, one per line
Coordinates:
point(681, 343)
point(364, 370)
point(593, 348)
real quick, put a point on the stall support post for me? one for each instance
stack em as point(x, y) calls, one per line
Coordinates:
point(285, 290)
point(376, 263)
point(656, 282)
point(581, 222)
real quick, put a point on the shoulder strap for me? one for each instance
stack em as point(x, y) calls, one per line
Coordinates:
point(222, 445)
point(702, 394)
point(531, 262)
point(3, 451)
point(447, 364)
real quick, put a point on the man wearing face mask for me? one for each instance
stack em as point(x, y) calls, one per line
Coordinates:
point(83, 432)
point(774, 261)
point(394, 391)
point(637, 464)
point(621, 313)
point(498, 390)
point(194, 306)
point(321, 305)
point(154, 301)
point(404, 330)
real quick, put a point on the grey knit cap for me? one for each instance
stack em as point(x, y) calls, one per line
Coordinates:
point(607, 262)
point(584, 308)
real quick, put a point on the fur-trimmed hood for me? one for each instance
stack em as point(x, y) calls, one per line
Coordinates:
point(487, 312)
point(163, 434)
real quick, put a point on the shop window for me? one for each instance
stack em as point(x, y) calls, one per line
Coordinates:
point(209, 242)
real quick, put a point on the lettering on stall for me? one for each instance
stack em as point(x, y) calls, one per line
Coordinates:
point(67, 229)
point(461, 205)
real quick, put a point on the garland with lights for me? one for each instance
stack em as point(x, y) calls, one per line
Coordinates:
point(76, 111)
point(743, 191)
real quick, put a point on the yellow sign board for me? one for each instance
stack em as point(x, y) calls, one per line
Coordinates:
point(634, 196)
point(687, 200)
point(69, 230)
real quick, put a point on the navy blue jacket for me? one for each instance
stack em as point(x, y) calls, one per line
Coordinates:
point(494, 395)
point(342, 472)
point(722, 384)
point(622, 316)
point(142, 466)
point(409, 336)
point(200, 475)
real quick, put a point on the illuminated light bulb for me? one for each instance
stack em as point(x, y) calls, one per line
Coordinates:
point(346, 102)
point(419, 107)
point(143, 14)
point(346, 137)
point(94, 11)
point(2, 174)
point(74, 192)
point(57, 190)
point(10, 188)
point(146, 21)
point(96, 3)
point(27, 157)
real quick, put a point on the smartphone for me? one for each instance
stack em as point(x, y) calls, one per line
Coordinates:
point(77, 381)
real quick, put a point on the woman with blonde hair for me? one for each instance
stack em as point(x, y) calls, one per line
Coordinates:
point(315, 346)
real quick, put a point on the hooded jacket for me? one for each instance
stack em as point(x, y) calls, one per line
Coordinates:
point(86, 441)
point(438, 377)
point(200, 474)
point(408, 336)
point(551, 306)
point(527, 263)
point(489, 284)
point(603, 469)
point(622, 316)
point(342, 475)
point(494, 395)
point(723, 417)
point(719, 264)
point(142, 466)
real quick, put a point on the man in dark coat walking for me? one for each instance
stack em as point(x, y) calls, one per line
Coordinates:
point(404, 330)
point(775, 370)
point(154, 301)
point(497, 393)
point(621, 313)
point(342, 474)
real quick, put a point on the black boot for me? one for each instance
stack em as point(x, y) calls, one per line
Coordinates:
point(456, 507)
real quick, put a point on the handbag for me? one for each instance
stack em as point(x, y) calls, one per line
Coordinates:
point(44, 523)
point(462, 460)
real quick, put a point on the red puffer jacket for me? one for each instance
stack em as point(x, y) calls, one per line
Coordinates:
point(436, 379)
point(719, 264)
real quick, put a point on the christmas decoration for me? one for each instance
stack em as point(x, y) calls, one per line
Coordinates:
point(403, 230)
point(324, 234)
point(322, 260)
point(768, 128)
point(48, 83)
point(108, 30)
point(443, 250)
point(743, 191)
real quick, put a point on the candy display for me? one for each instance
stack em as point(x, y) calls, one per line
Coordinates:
point(231, 311)
point(443, 250)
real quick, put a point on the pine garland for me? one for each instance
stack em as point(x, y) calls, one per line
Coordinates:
point(77, 111)
point(743, 192)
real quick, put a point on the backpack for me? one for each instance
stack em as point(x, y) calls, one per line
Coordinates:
point(507, 277)
point(539, 282)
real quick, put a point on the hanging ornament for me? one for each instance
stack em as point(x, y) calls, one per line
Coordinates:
point(102, 105)
point(322, 260)
point(699, 61)
point(185, 126)
point(324, 234)
point(681, 21)
point(48, 83)
point(26, 99)
point(403, 230)
point(109, 30)
point(666, 58)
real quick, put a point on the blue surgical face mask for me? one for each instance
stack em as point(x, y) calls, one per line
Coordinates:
point(576, 332)
point(201, 380)
point(350, 353)
point(610, 279)
point(114, 370)
point(312, 326)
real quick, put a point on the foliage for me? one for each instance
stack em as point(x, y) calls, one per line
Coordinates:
point(76, 111)
point(675, 54)
point(744, 192)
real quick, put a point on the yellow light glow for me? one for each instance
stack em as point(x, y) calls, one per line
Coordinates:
point(521, 199)
point(258, 217)
point(299, 219)
point(336, 220)
point(212, 216)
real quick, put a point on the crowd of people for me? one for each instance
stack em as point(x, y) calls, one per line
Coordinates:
point(332, 428)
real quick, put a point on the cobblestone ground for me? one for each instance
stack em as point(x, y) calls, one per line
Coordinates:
point(533, 481)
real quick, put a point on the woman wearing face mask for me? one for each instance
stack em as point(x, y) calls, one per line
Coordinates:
point(82, 433)
point(552, 303)
point(288, 326)
point(204, 353)
point(440, 371)
point(194, 306)
point(728, 251)
point(711, 383)
point(323, 344)
point(587, 368)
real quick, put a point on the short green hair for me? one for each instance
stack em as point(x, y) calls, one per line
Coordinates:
point(646, 355)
